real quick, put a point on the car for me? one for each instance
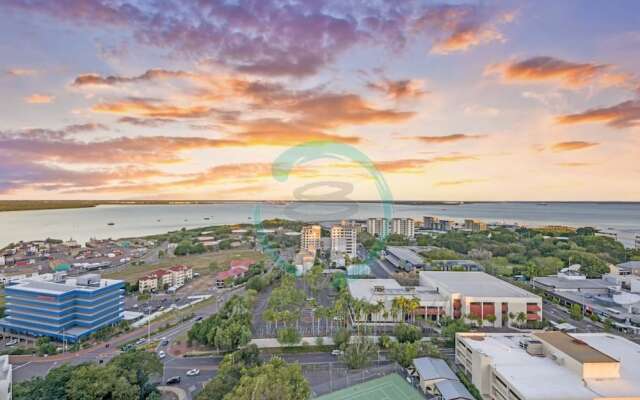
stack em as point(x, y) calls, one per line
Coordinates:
point(193, 372)
point(164, 343)
point(199, 318)
point(12, 342)
point(337, 352)
point(174, 380)
point(140, 341)
point(162, 354)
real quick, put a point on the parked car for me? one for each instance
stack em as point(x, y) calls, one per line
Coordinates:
point(12, 342)
point(193, 372)
point(199, 318)
point(174, 380)
point(337, 352)
point(162, 354)
point(164, 342)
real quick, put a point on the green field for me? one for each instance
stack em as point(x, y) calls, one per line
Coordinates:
point(390, 387)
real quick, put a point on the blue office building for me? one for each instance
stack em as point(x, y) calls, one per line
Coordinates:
point(65, 311)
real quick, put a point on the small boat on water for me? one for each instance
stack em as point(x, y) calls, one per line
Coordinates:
point(111, 223)
point(207, 218)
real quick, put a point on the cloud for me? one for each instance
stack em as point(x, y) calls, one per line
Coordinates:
point(152, 108)
point(622, 115)
point(149, 75)
point(39, 98)
point(277, 37)
point(417, 165)
point(572, 145)
point(567, 73)
point(481, 111)
point(575, 164)
point(457, 137)
point(274, 132)
point(462, 26)
point(458, 182)
point(43, 145)
point(19, 72)
point(148, 122)
point(399, 89)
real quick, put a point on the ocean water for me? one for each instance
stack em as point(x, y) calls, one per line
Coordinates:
point(137, 220)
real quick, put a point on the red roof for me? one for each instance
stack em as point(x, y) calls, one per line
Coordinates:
point(231, 273)
point(242, 262)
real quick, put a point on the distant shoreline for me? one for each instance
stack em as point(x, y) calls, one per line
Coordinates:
point(34, 205)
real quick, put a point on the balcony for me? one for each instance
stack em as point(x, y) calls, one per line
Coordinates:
point(533, 308)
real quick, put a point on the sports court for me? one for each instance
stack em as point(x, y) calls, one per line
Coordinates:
point(390, 387)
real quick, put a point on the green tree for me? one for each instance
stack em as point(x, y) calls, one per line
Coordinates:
point(275, 380)
point(359, 353)
point(341, 337)
point(289, 336)
point(576, 312)
point(231, 369)
point(407, 333)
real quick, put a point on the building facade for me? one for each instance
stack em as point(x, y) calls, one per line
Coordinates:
point(436, 224)
point(480, 296)
point(474, 226)
point(6, 378)
point(310, 239)
point(403, 227)
point(378, 227)
point(67, 311)
point(344, 240)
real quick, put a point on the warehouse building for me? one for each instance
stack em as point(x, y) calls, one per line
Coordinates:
point(403, 258)
point(65, 311)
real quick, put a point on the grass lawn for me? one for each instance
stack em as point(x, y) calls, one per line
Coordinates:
point(390, 387)
point(199, 262)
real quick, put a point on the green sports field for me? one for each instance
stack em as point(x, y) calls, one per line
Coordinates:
point(390, 387)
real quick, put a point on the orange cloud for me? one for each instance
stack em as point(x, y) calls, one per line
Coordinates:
point(38, 98)
point(572, 145)
point(399, 89)
point(622, 115)
point(459, 182)
point(446, 138)
point(569, 74)
point(149, 75)
point(273, 132)
point(152, 108)
point(417, 165)
point(575, 164)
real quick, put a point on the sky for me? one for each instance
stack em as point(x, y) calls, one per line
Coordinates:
point(356, 100)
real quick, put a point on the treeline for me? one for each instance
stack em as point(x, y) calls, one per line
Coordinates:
point(126, 377)
point(242, 375)
point(228, 329)
point(529, 252)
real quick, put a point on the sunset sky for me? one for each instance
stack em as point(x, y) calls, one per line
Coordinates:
point(169, 99)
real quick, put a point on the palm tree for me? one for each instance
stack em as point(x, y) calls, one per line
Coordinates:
point(521, 318)
point(412, 305)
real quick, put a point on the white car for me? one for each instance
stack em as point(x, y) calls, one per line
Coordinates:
point(12, 342)
point(193, 372)
point(337, 352)
point(162, 354)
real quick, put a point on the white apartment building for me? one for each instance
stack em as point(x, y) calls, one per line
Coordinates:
point(403, 226)
point(6, 378)
point(310, 238)
point(344, 240)
point(550, 365)
point(479, 295)
point(164, 278)
point(378, 227)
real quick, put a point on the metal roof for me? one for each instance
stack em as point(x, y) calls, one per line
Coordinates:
point(433, 368)
point(453, 390)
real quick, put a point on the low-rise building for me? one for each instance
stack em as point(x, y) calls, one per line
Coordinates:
point(163, 279)
point(438, 380)
point(403, 258)
point(456, 265)
point(550, 365)
point(480, 295)
point(303, 262)
point(6, 378)
point(473, 225)
point(235, 272)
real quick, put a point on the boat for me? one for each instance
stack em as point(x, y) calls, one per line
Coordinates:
point(207, 218)
point(111, 223)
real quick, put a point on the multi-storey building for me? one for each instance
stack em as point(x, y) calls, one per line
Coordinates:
point(436, 224)
point(160, 279)
point(477, 295)
point(63, 311)
point(550, 365)
point(403, 226)
point(310, 238)
point(474, 226)
point(344, 240)
point(378, 227)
